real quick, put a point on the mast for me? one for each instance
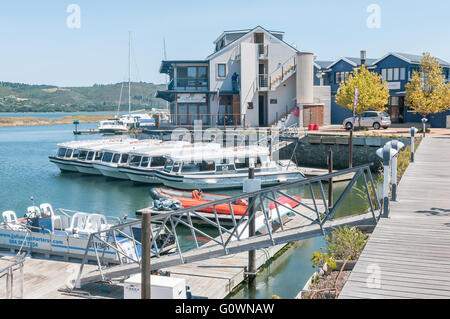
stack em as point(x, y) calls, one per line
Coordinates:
point(129, 72)
point(165, 58)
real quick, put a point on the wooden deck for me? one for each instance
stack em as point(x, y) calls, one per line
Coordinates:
point(411, 249)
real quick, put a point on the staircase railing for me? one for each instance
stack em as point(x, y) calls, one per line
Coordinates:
point(282, 72)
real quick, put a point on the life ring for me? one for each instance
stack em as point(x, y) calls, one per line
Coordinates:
point(196, 194)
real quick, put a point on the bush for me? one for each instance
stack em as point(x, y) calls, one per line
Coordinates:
point(345, 243)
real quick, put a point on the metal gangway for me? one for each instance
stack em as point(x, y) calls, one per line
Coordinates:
point(318, 219)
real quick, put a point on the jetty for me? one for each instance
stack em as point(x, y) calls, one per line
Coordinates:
point(407, 255)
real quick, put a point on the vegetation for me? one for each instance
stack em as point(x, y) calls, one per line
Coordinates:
point(427, 92)
point(346, 243)
point(373, 92)
point(37, 121)
point(18, 97)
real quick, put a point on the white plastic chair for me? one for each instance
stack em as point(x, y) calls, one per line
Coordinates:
point(33, 211)
point(10, 218)
point(47, 211)
point(77, 222)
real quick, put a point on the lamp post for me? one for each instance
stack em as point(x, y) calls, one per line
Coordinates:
point(386, 153)
point(424, 126)
point(413, 132)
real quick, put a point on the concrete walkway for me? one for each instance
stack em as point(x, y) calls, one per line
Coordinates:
point(408, 254)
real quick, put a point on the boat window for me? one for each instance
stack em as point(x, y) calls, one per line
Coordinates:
point(69, 153)
point(157, 161)
point(145, 161)
point(124, 158)
point(76, 153)
point(82, 155)
point(176, 167)
point(90, 156)
point(168, 165)
point(62, 152)
point(207, 166)
point(241, 163)
point(116, 158)
point(135, 160)
point(98, 156)
point(107, 157)
point(190, 167)
point(225, 168)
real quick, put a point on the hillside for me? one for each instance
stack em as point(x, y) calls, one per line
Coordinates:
point(18, 97)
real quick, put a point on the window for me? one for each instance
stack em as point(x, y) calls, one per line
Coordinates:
point(403, 74)
point(75, 153)
point(396, 74)
point(82, 155)
point(69, 153)
point(124, 158)
point(90, 156)
point(189, 112)
point(190, 167)
point(192, 76)
point(390, 74)
point(384, 74)
point(342, 77)
point(116, 158)
point(107, 157)
point(145, 161)
point(98, 156)
point(221, 70)
point(61, 152)
point(135, 160)
point(157, 161)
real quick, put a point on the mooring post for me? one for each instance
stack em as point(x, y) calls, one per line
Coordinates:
point(330, 181)
point(350, 145)
point(413, 132)
point(424, 126)
point(145, 260)
point(386, 153)
point(397, 146)
point(251, 231)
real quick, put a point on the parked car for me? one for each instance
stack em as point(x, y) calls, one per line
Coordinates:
point(375, 119)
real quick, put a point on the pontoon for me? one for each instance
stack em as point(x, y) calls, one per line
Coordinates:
point(225, 169)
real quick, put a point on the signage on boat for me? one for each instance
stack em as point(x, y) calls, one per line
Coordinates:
point(191, 98)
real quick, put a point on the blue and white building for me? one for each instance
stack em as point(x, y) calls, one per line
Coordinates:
point(396, 69)
point(252, 78)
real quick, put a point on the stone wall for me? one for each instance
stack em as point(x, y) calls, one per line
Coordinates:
point(312, 151)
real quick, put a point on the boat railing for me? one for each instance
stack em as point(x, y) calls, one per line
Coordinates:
point(315, 215)
point(8, 274)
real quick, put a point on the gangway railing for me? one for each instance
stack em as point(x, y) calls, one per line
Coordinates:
point(318, 219)
point(8, 275)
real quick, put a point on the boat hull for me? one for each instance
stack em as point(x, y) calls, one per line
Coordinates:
point(64, 165)
point(110, 171)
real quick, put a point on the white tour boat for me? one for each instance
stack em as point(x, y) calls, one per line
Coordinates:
point(225, 169)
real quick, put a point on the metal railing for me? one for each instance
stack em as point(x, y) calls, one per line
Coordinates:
point(212, 120)
point(283, 71)
point(317, 219)
point(9, 274)
point(263, 81)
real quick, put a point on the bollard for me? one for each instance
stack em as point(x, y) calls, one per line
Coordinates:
point(386, 153)
point(424, 126)
point(397, 146)
point(330, 180)
point(413, 132)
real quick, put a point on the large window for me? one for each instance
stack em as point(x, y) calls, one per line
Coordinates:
point(342, 77)
point(189, 112)
point(192, 76)
point(394, 74)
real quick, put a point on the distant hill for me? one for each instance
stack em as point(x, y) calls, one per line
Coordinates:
point(18, 97)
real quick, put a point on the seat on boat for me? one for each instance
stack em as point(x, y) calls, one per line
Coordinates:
point(33, 211)
point(94, 223)
point(47, 211)
point(10, 218)
point(77, 222)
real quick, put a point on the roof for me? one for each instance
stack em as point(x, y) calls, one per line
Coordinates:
point(410, 58)
point(166, 65)
point(245, 31)
point(322, 64)
point(352, 61)
point(131, 146)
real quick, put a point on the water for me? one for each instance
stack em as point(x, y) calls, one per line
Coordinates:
point(26, 171)
point(53, 115)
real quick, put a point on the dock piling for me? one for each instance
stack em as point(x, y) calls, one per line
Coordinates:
point(251, 231)
point(145, 261)
point(413, 132)
point(330, 181)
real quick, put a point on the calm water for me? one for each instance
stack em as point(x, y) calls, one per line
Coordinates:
point(53, 115)
point(26, 171)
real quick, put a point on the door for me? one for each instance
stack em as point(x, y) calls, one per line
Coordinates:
point(261, 110)
point(312, 114)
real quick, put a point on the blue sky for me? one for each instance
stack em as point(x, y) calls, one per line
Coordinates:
point(37, 47)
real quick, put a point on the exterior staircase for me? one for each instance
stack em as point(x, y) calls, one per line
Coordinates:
point(283, 72)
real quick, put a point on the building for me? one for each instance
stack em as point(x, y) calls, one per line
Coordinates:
point(395, 68)
point(253, 79)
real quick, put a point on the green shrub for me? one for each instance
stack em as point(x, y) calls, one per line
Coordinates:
point(345, 242)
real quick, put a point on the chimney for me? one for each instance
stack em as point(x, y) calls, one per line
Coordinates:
point(363, 57)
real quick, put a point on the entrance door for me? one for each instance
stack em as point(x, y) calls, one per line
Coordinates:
point(312, 114)
point(261, 110)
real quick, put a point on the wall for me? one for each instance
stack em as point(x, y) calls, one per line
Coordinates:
point(312, 151)
point(285, 96)
point(322, 95)
point(249, 72)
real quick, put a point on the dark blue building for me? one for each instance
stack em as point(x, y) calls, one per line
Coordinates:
point(395, 68)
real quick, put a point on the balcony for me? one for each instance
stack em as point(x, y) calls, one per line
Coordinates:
point(263, 50)
point(263, 82)
point(190, 84)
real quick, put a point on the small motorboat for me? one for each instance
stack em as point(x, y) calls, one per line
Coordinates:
point(197, 197)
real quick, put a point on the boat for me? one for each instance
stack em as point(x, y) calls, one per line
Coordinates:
point(66, 233)
point(67, 154)
point(225, 169)
point(197, 197)
point(142, 165)
point(116, 156)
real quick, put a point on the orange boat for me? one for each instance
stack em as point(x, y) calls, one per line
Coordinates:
point(195, 198)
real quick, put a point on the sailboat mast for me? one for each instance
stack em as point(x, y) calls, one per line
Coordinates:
point(129, 72)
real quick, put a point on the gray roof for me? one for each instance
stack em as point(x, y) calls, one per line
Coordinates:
point(357, 61)
point(414, 58)
point(323, 64)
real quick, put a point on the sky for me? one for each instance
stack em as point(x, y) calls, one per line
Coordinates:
point(50, 42)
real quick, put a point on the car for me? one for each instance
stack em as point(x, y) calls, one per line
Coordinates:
point(375, 119)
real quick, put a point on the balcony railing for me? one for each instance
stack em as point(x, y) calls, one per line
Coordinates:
point(210, 120)
point(263, 81)
point(191, 84)
point(263, 49)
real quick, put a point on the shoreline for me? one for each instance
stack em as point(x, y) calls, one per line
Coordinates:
point(40, 121)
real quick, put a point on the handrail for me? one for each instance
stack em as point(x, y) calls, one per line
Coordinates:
point(8, 272)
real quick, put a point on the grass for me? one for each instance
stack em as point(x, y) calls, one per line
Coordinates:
point(37, 121)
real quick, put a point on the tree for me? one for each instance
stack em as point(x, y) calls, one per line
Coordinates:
point(373, 92)
point(427, 92)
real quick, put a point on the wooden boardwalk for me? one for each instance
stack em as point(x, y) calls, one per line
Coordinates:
point(410, 251)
